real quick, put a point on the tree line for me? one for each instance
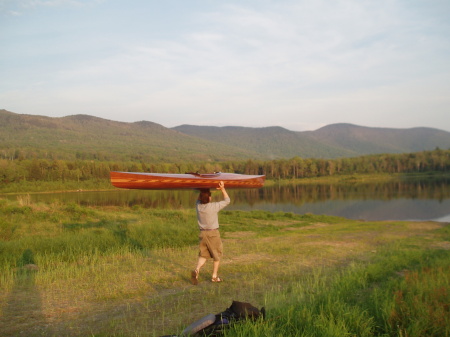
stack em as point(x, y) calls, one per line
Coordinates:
point(16, 170)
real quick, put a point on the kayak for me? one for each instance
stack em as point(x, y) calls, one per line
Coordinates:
point(167, 181)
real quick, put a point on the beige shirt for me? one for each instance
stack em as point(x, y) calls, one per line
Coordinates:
point(207, 214)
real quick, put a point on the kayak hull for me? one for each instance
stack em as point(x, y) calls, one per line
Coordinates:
point(167, 181)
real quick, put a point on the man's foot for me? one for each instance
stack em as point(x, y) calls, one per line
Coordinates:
point(194, 277)
point(216, 279)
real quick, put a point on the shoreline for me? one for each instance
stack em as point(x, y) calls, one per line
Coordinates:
point(45, 186)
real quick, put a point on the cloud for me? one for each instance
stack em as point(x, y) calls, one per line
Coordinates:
point(19, 7)
point(292, 62)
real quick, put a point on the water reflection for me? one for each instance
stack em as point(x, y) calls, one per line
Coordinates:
point(418, 200)
point(388, 201)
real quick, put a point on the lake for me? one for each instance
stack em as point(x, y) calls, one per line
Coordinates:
point(406, 200)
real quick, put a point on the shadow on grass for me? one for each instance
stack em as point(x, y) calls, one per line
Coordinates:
point(22, 313)
point(118, 228)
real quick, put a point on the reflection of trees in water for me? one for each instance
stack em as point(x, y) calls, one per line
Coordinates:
point(294, 194)
point(22, 309)
point(148, 199)
point(299, 194)
point(164, 199)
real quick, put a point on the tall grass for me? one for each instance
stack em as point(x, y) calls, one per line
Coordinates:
point(403, 292)
point(316, 275)
point(63, 239)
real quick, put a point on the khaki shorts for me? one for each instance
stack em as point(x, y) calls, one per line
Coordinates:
point(211, 245)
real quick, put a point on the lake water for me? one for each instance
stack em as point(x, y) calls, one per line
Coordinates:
point(416, 200)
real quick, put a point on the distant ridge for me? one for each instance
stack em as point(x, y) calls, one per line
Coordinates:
point(332, 141)
point(370, 140)
point(271, 142)
point(88, 137)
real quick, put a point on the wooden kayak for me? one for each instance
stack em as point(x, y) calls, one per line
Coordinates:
point(163, 181)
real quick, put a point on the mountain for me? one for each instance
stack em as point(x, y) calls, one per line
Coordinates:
point(88, 137)
point(332, 141)
point(271, 142)
point(365, 140)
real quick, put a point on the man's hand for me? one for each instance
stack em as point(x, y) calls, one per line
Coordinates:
point(221, 186)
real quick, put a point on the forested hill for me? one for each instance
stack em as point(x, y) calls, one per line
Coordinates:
point(88, 137)
point(332, 141)
point(365, 140)
point(271, 142)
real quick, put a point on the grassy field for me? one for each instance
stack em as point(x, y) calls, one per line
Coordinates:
point(69, 270)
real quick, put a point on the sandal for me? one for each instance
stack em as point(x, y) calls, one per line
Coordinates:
point(194, 277)
point(216, 279)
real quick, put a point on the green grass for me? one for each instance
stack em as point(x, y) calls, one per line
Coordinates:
point(400, 293)
point(54, 186)
point(120, 271)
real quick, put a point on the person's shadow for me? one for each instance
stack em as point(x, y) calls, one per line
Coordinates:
point(21, 314)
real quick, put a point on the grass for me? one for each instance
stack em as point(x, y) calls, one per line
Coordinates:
point(55, 186)
point(70, 270)
point(400, 293)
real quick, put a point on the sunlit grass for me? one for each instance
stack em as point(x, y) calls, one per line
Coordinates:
point(400, 293)
point(120, 271)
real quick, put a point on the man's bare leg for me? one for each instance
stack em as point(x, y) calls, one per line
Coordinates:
point(215, 269)
point(201, 262)
point(194, 274)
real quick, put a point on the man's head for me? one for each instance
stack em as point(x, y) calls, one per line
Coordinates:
point(205, 196)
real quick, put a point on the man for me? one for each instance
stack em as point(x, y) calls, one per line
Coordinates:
point(210, 241)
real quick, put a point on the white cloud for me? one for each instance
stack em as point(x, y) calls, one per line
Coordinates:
point(298, 63)
point(20, 7)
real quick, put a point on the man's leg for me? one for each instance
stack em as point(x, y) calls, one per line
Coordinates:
point(215, 269)
point(200, 263)
point(194, 273)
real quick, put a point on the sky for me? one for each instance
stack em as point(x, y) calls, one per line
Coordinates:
point(297, 64)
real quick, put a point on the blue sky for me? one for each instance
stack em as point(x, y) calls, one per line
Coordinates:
point(296, 64)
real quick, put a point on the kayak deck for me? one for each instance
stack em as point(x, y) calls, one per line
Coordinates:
point(162, 181)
